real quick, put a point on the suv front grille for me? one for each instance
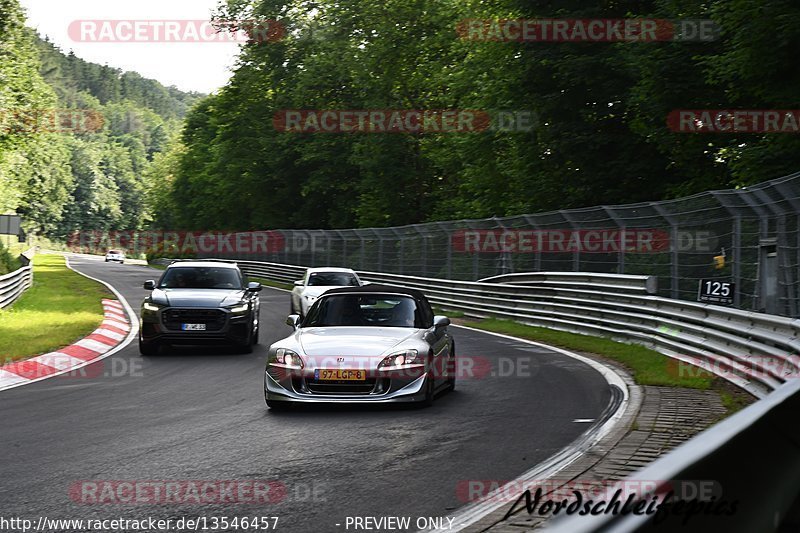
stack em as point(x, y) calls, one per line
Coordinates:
point(214, 319)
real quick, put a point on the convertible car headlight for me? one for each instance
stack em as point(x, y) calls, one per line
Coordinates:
point(288, 358)
point(238, 309)
point(147, 306)
point(402, 359)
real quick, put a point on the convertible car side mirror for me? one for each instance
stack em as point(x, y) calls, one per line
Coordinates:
point(440, 321)
point(293, 320)
point(149, 285)
point(299, 283)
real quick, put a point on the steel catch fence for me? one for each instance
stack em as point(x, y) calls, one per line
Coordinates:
point(749, 236)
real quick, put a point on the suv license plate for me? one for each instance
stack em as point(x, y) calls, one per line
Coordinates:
point(193, 327)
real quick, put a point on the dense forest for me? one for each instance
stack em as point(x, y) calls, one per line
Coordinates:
point(600, 134)
point(64, 173)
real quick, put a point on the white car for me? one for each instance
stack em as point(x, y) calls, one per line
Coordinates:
point(117, 256)
point(373, 344)
point(317, 281)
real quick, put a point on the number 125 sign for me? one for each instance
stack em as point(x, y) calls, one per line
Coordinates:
point(714, 291)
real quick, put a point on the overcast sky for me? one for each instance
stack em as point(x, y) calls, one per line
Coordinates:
point(202, 67)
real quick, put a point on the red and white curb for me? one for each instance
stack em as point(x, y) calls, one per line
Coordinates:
point(112, 332)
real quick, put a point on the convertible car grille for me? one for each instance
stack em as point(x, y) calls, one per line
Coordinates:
point(214, 319)
point(341, 387)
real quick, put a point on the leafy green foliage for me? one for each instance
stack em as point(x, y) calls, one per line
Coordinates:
point(62, 180)
point(176, 160)
point(8, 263)
point(600, 137)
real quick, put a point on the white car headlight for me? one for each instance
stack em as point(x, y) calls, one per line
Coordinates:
point(238, 309)
point(402, 359)
point(150, 307)
point(288, 358)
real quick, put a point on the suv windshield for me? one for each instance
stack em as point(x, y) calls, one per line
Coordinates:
point(332, 279)
point(392, 311)
point(200, 278)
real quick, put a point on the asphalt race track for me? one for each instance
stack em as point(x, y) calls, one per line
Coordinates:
point(199, 414)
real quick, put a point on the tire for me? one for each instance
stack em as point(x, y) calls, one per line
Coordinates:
point(451, 370)
point(429, 393)
point(149, 348)
point(254, 340)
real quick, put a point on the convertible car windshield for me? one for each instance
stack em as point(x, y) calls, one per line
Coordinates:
point(200, 278)
point(393, 311)
point(332, 279)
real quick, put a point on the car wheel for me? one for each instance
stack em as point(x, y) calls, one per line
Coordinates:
point(451, 371)
point(255, 335)
point(429, 392)
point(148, 348)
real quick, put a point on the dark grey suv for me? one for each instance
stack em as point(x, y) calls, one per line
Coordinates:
point(200, 302)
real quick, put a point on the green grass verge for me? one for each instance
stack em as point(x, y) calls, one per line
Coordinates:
point(448, 314)
point(647, 366)
point(61, 308)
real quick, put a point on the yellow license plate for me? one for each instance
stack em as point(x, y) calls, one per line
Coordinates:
point(340, 375)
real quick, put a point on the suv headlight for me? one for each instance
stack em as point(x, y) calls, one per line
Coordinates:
point(148, 306)
point(288, 358)
point(402, 359)
point(238, 309)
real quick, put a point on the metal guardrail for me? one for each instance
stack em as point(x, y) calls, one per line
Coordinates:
point(752, 350)
point(13, 284)
point(628, 283)
point(751, 457)
point(755, 351)
point(749, 460)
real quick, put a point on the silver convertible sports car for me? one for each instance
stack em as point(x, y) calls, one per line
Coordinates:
point(367, 344)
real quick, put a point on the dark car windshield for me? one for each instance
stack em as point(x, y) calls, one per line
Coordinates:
point(332, 279)
point(394, 311)
point(200, 278)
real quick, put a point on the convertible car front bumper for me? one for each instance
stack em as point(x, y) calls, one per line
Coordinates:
point(302, 389)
